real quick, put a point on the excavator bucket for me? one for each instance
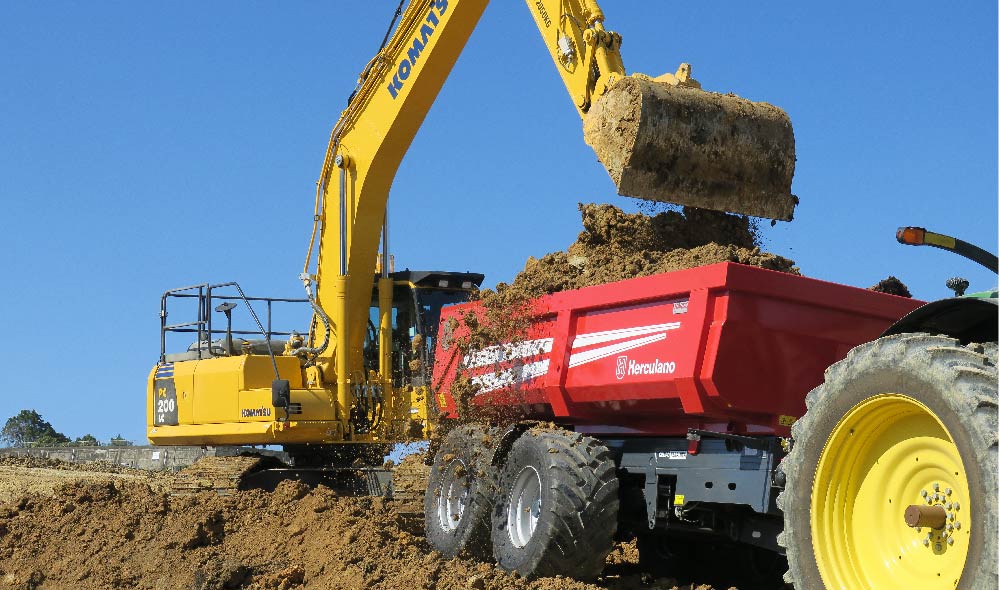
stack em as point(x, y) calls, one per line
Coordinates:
point(691, 147)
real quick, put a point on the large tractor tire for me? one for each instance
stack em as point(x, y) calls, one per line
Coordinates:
point(557, 511)
point(892, 476)
point(460, 493)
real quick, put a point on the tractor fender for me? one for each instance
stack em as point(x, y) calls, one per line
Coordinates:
point(968, 319)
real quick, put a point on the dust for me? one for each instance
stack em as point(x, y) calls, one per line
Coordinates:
point(122, 533)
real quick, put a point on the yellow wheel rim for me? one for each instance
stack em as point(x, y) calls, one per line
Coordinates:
point(889, 452)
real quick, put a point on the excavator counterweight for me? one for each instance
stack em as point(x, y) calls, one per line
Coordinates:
point(691, 147)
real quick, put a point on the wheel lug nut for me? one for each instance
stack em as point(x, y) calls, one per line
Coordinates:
point(947, 491)
point(923, 493)
point(958, 525)
point(957, 506)
point(937, 486)
point(927, 542)
point(951, 540)
point(948, 506)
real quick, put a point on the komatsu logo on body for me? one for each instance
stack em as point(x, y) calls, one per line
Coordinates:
point(624, 367)
point(543, 13)
point(405, 67)
point(255, 412)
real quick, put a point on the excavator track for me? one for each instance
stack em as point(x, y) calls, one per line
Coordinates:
point(223, 475)
point(409, 483)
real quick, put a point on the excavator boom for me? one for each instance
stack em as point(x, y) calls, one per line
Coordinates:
point(659, 138)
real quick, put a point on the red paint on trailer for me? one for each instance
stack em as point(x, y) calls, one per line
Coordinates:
point(723, 346)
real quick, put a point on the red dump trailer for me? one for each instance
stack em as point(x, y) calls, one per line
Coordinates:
point(726, 346)
point(655, 407)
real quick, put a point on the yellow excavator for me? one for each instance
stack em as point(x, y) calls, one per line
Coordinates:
point(360, 374)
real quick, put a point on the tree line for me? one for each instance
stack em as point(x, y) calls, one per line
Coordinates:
point(28, 429)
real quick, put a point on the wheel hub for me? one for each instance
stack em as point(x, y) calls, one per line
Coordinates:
point(525, 506)
point(939, 514)
point(888, 457)
point(453, 496)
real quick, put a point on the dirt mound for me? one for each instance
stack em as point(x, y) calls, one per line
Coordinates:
point(125, 534)
point(892, 286)
point(91, 466)
point(615, 246)
point(26, 475)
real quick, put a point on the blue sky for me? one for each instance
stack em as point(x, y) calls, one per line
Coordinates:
point(148, 146)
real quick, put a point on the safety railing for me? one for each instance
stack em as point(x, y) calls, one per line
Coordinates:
point(203, 326)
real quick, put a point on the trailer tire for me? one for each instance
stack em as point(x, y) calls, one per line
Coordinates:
point(460, 492)
point(893, 404)
point(557, 511)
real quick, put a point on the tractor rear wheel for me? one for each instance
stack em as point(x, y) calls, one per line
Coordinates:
point(892, 476)
point(557, 511)
point(460, 493)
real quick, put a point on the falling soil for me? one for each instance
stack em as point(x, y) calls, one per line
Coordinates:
point(118, 534)
point(892, 286)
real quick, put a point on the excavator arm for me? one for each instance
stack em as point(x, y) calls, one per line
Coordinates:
point(368, 142)
point(659, 138)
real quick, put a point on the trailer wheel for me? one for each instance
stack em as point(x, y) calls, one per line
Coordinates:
point(460, 494)
point(892, 477)
point(558, 506)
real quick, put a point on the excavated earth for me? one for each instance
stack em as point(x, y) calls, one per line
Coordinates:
point(104, 531)
point(615, 246)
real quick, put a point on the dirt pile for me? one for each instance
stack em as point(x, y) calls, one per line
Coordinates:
point(892, 286)
point(28, 475)
point(615, 246)
point(126, 534)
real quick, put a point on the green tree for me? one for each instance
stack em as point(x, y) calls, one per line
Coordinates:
point(28, 427)
point(87, 439)
point(121, 441)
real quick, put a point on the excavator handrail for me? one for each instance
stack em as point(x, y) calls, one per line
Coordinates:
point(202, 326)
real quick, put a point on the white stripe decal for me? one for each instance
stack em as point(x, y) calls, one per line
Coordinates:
point(582, 358)
point(493, 355)
point(607, 336)
point(511, 376)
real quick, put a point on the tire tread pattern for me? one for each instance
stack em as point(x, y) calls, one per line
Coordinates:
point(576, 532)
point(968, 375)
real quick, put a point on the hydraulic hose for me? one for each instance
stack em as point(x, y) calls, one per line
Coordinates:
point(307, 282)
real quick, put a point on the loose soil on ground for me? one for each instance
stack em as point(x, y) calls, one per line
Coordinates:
point(96, 530)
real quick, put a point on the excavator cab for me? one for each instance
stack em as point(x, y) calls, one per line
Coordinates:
point(417, 300)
